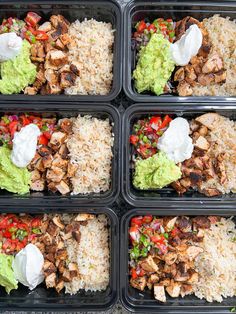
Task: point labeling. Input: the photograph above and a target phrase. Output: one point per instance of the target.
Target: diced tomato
(175, 232)
(157, 239)
(47, 134)
(155, 122)
(146, 152)
(148, 231)
(41, 35)
(134, 233)
(35, 223)
(134, 274)
(134, 139)
(141, 273)
(7, 234)
(32, 19)
(147, 219)
(13, 128)
(169, 20)
(10, 20)
(141, 26)
(152, 27)
(3, 223)
(25, 120)
(42, 140)
(137, 221)
(165, 122)
(8, 245)
(19, 246)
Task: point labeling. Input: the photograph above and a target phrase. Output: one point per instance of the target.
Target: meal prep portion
(68, 251)
(69, 155)
(179, 256)
(56, 56)
(187, 57)
(199, 154)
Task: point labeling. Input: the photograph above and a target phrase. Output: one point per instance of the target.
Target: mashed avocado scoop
(18, 72)
(7, 278)
(12, 178)
(155, 65)
(155, 172)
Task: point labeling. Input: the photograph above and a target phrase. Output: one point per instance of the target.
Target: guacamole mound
(155, 172)
(18, 72)
(155, 65)
(7, 278)
(12, 178)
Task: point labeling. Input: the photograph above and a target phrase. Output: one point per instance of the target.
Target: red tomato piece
(141, 26)
(165, 122)
(152, 27)
(13, 128)
(137, 221)
(35, 223)
(147, 219)
(134, 274)
(42, 140)
(134, 233)
(32, 19)
(134, 139)
(41, 35)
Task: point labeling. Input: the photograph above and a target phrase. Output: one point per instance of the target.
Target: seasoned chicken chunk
(174, 289)
(51, 280)
(149, 265)
(159, 293)
(138, 283)
(202, 144)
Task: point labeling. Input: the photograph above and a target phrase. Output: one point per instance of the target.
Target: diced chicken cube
(30, 90)
(202, 143)
(67, 79)
(63, 188)
(57, 221)
(46, 27)
(65, 39)
(193, 251)
(35, 175)
(174, 289)
(38, 185)
(58, 138)
(170, 258)
(210, 120)
(84, 217)
(159, 293)
(58, 58)
(51, 280)
(138, 283)
(66, 276)
(55, 174)
(59, 286)
(149, 265)
(171, 223)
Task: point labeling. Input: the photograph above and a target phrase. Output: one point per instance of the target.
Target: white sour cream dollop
(187, 46)
(176, 142)
(27, 266)
(24, 145)
(10, 45)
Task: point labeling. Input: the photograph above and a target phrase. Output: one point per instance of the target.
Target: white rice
(91, 49)
(92, 257)
(217, 264)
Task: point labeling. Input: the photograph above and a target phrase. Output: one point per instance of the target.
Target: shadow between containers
(102, 10)
(166, 196)
(143, 302)
(137, 10)
(42, 299)
(100, 110)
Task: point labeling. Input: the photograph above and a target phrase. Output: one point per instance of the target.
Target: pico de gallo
(146, 133)
(27, 29)
(17, 231)
(9, 124)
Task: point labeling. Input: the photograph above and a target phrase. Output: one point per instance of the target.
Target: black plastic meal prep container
(102, 111)
(102, 10)
(143, 301)
(167, 195)
(137, 10)
(43, 299)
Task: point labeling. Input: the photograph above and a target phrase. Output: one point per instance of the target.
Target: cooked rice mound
(217, 264)
(222, 35)
(90, 148)
(91, 255)
(91, 50)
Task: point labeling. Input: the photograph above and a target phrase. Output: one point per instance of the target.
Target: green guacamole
(155, 65)
(155, 172)
(12, 178)
(7, 278)
(17, 73)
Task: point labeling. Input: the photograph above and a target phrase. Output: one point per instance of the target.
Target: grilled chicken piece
(165, 282)
(63, 151)
(193, 279)
(73, 269)
(66, 126)
(206, 79)
(37, 59)
(57, 221)
(50, 280)
(59, 20)
(71, 170)
(205, 49)
(202, 144)
(59, 162)
(40, 246)
(67, 79)
(203, 130)
(186, 290)
(193, 251)
(184, 89)
(61, 254)
(76, 234)
(210, 192)
(179, 75)
(53, 89)
(210, 120)
(84, 217)
(58, 138)
(220, 168)
(190, 75)
(173, 289)
(65, 39)
(52, 187)
(170, 258)
(66, 276)
(181, 276)
(44, 151)
(178, 187)
(74, 67)
(60, 285)
(35, 175)
(38, 185)
(51, 76)
(61, 266)
(48, 268)
(213, 64)
(201, 222)
(30, 90)
(50, 257)
(53, 229)
(63, 188)
(138, 283)
(47, 239)
(47, 161)
(46, 27)
(220, 77)
(149, 265)
(59, 45)
(171, 223)
(159, 293)
(184, 224)
(55, 174)
(58, 58)
(185, 183)
(154, 278)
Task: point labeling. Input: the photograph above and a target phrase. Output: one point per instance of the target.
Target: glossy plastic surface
(103, 10)
(137, 10)
(165, 196)
(144, 302)
(102, 111)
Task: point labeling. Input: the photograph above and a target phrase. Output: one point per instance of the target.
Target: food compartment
(43, 298)
(56, 71)
(148, 11)
(104, 117)
(151, 197)
(144, 301)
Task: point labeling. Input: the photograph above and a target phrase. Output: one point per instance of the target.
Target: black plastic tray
(137, 301)
(42, 299)
(137, 10)
(50, 199)
(102, 10)
(165, 196)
